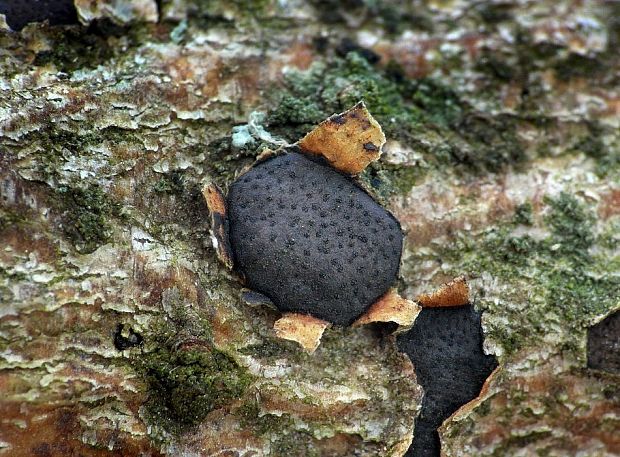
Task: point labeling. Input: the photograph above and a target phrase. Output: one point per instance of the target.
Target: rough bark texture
(121, 333)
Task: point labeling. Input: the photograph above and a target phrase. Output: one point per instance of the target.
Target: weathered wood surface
(121, 333)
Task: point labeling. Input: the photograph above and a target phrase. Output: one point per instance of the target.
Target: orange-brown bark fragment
(348, 141)
(453, 293)
(301, 328)
(391, 307)
(219, 223)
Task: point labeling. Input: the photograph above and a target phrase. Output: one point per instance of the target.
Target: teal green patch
(553, 285)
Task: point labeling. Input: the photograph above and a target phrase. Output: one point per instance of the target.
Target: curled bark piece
(391, 307)
(301, 328)
(453, 293)
(348, 141)
(219, 223)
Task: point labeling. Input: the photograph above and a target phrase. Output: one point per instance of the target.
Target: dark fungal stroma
(604, 344)
(21, 12)
(311, 239)
(445, 347)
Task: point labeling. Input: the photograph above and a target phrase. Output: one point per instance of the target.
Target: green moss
(10, 218)
(80, 47)
(186, 385)
(295, 443)
(592, 144)
(265, 424)
(225, 161)
(571, 224)
(12, 276)
(489, 143)
(440, 104)
(423, 113)
(567, 277)
(284, 439)
(515, 442)
(524, 214)
(170, 183)
(393, 17)
(86, 213)
(233, 14)
(325, 89)
(494, 13)
(577, 65)
(186, 376)
(256, 7)
(385, 180)
(56, 145)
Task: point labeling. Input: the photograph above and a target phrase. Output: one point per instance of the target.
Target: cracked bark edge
(464, 410)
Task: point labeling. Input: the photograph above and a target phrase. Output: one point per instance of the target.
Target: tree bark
(122, 334)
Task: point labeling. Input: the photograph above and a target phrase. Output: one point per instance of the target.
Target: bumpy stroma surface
(311, 239)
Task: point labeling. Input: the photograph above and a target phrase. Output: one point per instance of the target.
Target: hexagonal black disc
(311, 239)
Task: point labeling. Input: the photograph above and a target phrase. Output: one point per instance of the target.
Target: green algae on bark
(86, 216)
(185, 385)
(557, 283)
(422, 112)
(186, 376)
(148, 117)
